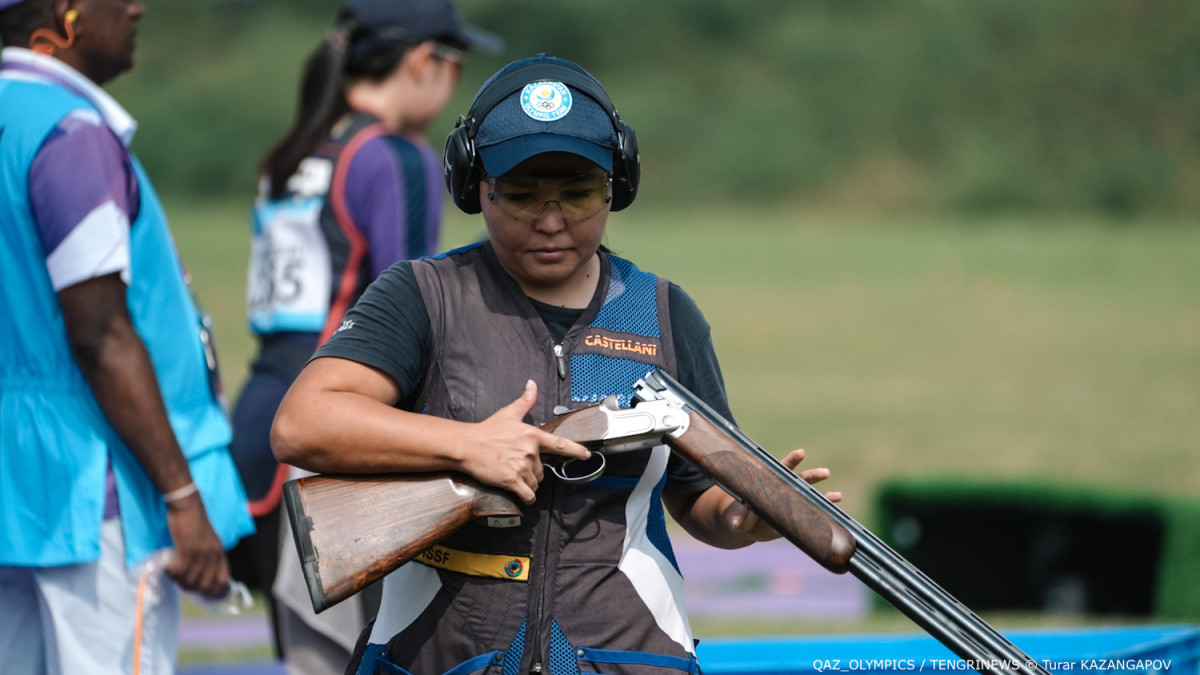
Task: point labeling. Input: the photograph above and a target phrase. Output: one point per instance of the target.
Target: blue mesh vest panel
(512, 655)
(630, 310)
(562, 653)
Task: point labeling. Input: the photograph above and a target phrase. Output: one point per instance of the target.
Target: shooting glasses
(525, 198)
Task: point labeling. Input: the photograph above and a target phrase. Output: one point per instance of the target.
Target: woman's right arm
(339, 417)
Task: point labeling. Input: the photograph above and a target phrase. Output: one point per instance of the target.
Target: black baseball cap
(422, 20)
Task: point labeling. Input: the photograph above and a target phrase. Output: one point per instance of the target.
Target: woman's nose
(550, 219)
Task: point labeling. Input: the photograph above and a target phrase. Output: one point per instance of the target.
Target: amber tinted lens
(578, 198)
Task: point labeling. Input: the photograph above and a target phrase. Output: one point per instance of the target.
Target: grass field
(1036, 348)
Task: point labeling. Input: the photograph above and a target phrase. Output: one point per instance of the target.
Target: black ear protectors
(461, 164)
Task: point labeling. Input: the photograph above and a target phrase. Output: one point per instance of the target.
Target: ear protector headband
(463, 168)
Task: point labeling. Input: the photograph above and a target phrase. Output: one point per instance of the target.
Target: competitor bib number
(289, 281)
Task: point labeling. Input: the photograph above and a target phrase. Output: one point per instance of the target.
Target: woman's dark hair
(19, 22)
(351, 51)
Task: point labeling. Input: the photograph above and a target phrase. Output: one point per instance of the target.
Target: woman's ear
(419, 59)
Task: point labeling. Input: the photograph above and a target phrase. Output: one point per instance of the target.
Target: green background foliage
(916, 106)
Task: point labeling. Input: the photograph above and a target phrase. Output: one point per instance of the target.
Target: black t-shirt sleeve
(700, 373)
(388, 328)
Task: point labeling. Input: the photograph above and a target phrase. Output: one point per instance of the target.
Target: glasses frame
(452, 55)
(491, 195)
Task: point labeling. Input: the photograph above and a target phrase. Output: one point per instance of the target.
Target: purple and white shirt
(377, 197)
(82, 216)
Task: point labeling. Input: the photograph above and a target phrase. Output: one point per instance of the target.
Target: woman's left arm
(717, 519)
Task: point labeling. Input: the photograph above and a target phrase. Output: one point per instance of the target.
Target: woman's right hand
(505, 452)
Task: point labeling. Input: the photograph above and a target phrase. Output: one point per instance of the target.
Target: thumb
(525, 401)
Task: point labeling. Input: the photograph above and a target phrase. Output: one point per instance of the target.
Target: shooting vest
(55, 443)
(307, 256)
(588, 581)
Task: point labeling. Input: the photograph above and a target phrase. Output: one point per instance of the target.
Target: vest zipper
(540, 616)
(536, 667)
(561, 361)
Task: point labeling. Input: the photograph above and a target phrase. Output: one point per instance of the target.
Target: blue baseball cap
(420, 20)
(5, 4)
(545, 116)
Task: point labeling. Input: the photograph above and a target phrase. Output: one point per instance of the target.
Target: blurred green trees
(926, 105)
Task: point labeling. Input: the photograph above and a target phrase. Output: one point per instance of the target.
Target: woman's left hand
(742, 519)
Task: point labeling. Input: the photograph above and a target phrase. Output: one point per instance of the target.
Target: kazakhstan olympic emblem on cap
(546, 100)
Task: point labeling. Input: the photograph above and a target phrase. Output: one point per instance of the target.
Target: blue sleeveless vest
(55, 443)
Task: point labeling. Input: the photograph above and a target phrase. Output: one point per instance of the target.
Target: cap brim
(480, 40)
(503, 157)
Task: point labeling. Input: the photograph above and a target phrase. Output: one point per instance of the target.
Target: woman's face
(546, 219)
(433, 85)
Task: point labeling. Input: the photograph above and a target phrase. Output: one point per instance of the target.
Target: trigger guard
(558, 471)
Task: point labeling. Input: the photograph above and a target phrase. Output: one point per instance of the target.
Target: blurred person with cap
(450, 362)
(114, 439)
(352, 187)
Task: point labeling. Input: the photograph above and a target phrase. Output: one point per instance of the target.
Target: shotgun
(345, 545)
(342, 549)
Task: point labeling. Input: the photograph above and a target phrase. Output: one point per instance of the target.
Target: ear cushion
(462, 167)
(627, 167)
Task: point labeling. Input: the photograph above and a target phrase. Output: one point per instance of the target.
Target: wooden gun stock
(586, 426)
(345, 546)
(351, 530)
(771, 497)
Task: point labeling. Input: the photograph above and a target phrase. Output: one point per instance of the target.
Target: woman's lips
(549, 255)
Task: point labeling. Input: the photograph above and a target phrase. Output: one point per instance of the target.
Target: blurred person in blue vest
(352, 187)
(113, 438)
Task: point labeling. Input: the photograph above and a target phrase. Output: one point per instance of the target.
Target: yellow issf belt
(507, 567)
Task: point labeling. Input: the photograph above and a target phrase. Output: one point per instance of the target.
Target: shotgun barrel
(872, 561)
